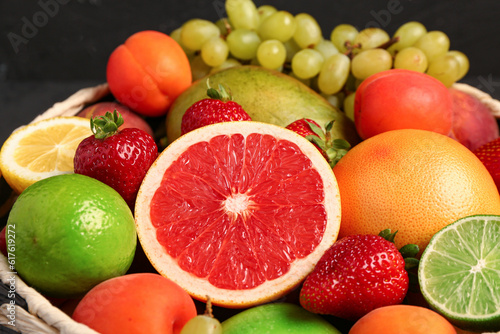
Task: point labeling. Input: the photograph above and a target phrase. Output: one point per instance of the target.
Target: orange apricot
(402, 99)
(398, 319)
(148, 72)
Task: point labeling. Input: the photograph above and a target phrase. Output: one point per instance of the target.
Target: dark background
(51, 48)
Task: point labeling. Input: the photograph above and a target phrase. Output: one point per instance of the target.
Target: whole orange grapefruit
(412, 181)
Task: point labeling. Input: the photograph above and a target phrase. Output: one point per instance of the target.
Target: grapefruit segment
(240, 211)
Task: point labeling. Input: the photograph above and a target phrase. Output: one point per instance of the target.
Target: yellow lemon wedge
(41, 149)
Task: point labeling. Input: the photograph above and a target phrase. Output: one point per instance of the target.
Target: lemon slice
(41, 149)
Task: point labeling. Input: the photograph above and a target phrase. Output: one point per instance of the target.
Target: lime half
(459, 272)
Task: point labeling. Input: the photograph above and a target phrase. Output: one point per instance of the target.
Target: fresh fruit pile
(252, 176)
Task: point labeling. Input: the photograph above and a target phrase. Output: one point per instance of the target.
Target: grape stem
(228, 28)
(389, 43)
(351, 47)
(208, 308)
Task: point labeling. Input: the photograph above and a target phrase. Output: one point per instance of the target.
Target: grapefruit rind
(199, 288)
(461, 261)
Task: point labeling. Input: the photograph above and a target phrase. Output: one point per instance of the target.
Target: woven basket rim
(492, 104)
(42, 315)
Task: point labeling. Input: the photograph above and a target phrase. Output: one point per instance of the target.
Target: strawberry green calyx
(105, 126)
(388, 235)
(334, 148)
(409, 253)
(219, 94)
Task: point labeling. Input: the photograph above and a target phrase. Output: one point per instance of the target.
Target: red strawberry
(118, 158)
(303, 127)
(218, 108)
(356, 275)
(332, 149)
(489, 154)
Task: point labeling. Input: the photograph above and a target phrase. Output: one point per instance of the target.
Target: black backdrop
(72, 39)
(49, 48)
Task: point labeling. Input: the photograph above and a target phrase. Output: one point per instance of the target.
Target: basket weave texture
(40, 316)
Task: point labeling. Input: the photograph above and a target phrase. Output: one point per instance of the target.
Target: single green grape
(434, 44)
(349, 106)
(326, 48)
(202, 324)
(176, 35)
(313, 83)
(342, 34)
(229, 62)
(224, 26)
(291, 49)
(265, 11)
(307, 63)
(370, 38)
(408, 34)
(198, 67)
(243, 43)
(411, 58)
(357, 82)
(369, 62)
(335, 100)
(445, 68)
(279, 25)
(307, 32)
(214, 52)
(352, 83)
(333, 74)
(195, 32)
(254, 61)
(463, 62)
(242, 14)
(271, 54)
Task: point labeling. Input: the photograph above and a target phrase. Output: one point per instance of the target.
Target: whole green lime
(277, 318)
(72, 232)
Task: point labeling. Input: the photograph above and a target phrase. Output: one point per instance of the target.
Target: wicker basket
(33, 312)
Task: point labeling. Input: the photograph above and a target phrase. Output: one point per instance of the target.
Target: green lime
(277, 318)
(71, 233)
(459, 272)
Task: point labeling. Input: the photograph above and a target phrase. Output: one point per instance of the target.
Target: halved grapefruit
(238, 211)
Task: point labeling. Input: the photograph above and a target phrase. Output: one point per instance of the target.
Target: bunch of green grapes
(295, 45)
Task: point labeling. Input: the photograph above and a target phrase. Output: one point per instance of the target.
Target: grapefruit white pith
(239, 211)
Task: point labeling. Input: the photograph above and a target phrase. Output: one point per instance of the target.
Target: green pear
(267, 96)
(277, 318)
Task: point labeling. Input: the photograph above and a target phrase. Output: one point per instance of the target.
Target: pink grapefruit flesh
(239, 211)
